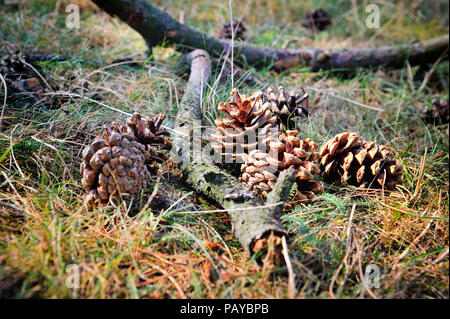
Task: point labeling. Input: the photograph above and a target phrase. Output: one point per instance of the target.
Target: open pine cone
(260, 170)
(347, 159)
(247, 123)
(115, 164)
(238, 27)
(287, 106)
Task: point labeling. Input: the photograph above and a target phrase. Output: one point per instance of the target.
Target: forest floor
(48, 236)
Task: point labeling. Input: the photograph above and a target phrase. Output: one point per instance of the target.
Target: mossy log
(251, 218)
(158, 27)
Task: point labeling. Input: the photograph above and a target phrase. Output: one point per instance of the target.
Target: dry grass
(166, 251)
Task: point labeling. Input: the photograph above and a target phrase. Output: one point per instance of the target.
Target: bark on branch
(251, 219)
(158, 27)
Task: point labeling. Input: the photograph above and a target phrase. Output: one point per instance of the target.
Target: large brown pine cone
(247, 123)
(238, 27)
(117, 163)
(261, 170)
(288, 106)
(347, 159)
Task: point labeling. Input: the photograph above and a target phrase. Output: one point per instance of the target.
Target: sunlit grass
(131, 251)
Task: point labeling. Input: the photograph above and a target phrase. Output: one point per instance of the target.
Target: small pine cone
(440, 114)
(150, 133)
(247, 123)
(113, 165)
(261, 170)
(118, 162)
(346, 159)
(288, 107)
(317, 19)
(238, 27)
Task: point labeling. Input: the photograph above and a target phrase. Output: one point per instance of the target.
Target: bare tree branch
(158, 27)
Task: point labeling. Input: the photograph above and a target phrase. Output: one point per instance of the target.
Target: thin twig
(154, 192)
(413, 243)
(357, 103)
(4, 101)
(12, 151)
(37, 72)
(350, 225)
(175, 283)
(430, 72)
(292, 291)
(107, 106)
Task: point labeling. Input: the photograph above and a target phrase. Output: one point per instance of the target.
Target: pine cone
(261, 170)
(247, 123)
(238, 27)
(317, 19)
(287, 107)
(440, 114)
(149, 132)
(347, 159)
(116, 163)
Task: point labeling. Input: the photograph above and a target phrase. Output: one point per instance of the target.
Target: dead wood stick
(250, 217)
(158, 27)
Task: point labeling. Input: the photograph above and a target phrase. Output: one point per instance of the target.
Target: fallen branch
(249, 225)
(158, 27)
